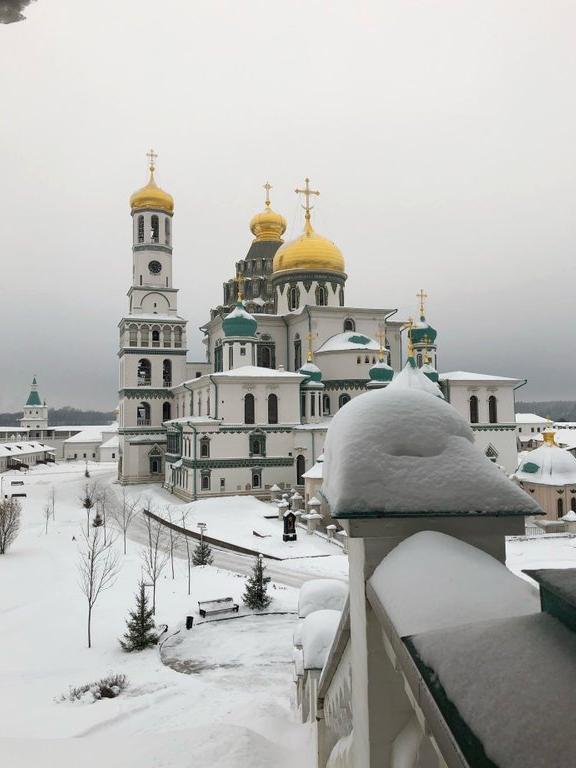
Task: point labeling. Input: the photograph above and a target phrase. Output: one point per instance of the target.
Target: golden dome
(268, 225)
(310, 251)
(151, 196)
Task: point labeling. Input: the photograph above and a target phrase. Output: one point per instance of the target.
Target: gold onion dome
(152, 196)
(310, 251)
(268, 225)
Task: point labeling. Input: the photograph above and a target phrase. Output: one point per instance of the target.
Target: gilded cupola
(268, 225)
(310, 251)
(152, 196)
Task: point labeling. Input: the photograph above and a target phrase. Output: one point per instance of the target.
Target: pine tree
(202, 555)
(255, 596)
(140, 634)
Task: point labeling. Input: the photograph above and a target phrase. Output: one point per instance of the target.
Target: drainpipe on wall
(215, 395)
(193, 428)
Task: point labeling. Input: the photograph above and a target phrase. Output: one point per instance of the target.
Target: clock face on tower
(155, 267)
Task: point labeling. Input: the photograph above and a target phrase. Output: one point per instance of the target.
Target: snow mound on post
(318, 631)
(408, 451)
(320, 594)
(413, 378)
(433, 581)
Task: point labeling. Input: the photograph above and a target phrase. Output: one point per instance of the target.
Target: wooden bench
(212, 607)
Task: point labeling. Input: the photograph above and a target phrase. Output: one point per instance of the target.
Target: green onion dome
(239, 322)
(422, 332)
(381, 372)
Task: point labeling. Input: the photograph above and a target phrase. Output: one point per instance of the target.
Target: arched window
(312, 404)
(349, 324)
(178, 336)
(343, 399)
(256, 479)
(366, 359)
(272, 409)
(560, 507)
(326, 404)
(300, 469)
(155, 337)
(573, 503)
(249, 409)
(167, 373)
(303, 405)
(133, 334)
(264, 356)
(167, 231)
(321, 296)
(205, 482)
(166, 412)
(167, 333)
(473, 409)
(297, 353)
(492, 410)
(140, 229)
(144, 336)
(230, 357)
(358, 360)
(204, 448)
(144, 373)
(155, 229)
(257, 444)
(419, 359)
(293, 298)
(143, 415)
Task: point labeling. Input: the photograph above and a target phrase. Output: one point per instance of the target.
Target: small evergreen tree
(202, 555)
(140, 633)
(255, 596)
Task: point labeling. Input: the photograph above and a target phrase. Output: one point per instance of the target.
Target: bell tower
(152, 337)
(35, 416)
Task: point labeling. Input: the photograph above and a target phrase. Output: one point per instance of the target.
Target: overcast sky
(441, 133)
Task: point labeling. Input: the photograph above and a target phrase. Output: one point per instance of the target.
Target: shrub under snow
(106, 688)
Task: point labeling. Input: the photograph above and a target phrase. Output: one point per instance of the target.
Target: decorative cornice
(333, 384)
(146, 393)
(255, 427)
(146, 351)
(151, 247)
(300, 276)
(143, 431)
(493, 427)
(256, 462)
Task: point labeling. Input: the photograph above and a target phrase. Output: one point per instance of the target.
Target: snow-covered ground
(233, 709)
(550, 551)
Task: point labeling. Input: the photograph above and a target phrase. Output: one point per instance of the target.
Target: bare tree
(102, 499)
(88, 500)
(187, 544)
(52, 500)
(98, 569)
(154, 557)
(9, 523)
(47, 516)
(123, 511)
(171, 540)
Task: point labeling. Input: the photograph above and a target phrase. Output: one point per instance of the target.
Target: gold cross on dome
(267, 187)
(381, 336)
(240, 283)
(152, 157)
(309, 355)
(307, 192)
(422, 296)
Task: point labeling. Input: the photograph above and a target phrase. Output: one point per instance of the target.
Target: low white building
(22, 454)
(92, 444)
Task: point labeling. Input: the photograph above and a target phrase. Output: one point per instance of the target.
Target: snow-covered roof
(468, 376)
(530, 418)
(411, 377)
(15, 449)
(431, 581)
(13, 429)
(318, 594)
(89, 435)
(154, 317)
(314, 502)
(254, 371)
(318, 631)
(350, 340)
(405, 451)
(547, 465)
(112, 442)
(315, 472)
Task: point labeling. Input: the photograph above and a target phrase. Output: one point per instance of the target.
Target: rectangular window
(222, 484)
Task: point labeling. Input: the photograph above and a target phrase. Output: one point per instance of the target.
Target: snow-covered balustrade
(321, 594)
(398, 462)
(318, 630)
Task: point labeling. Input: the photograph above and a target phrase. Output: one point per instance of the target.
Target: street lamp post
(202, 527)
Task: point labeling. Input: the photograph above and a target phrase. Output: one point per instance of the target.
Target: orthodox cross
(422, 296)
(267, 187)
(240, 283)
(152, 156)
(309, 356)
(409, 325)
(307, 192)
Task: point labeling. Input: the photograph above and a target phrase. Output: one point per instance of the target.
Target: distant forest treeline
(557, 410)
(63, 417)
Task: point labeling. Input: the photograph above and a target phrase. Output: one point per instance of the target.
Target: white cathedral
(283, 354)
